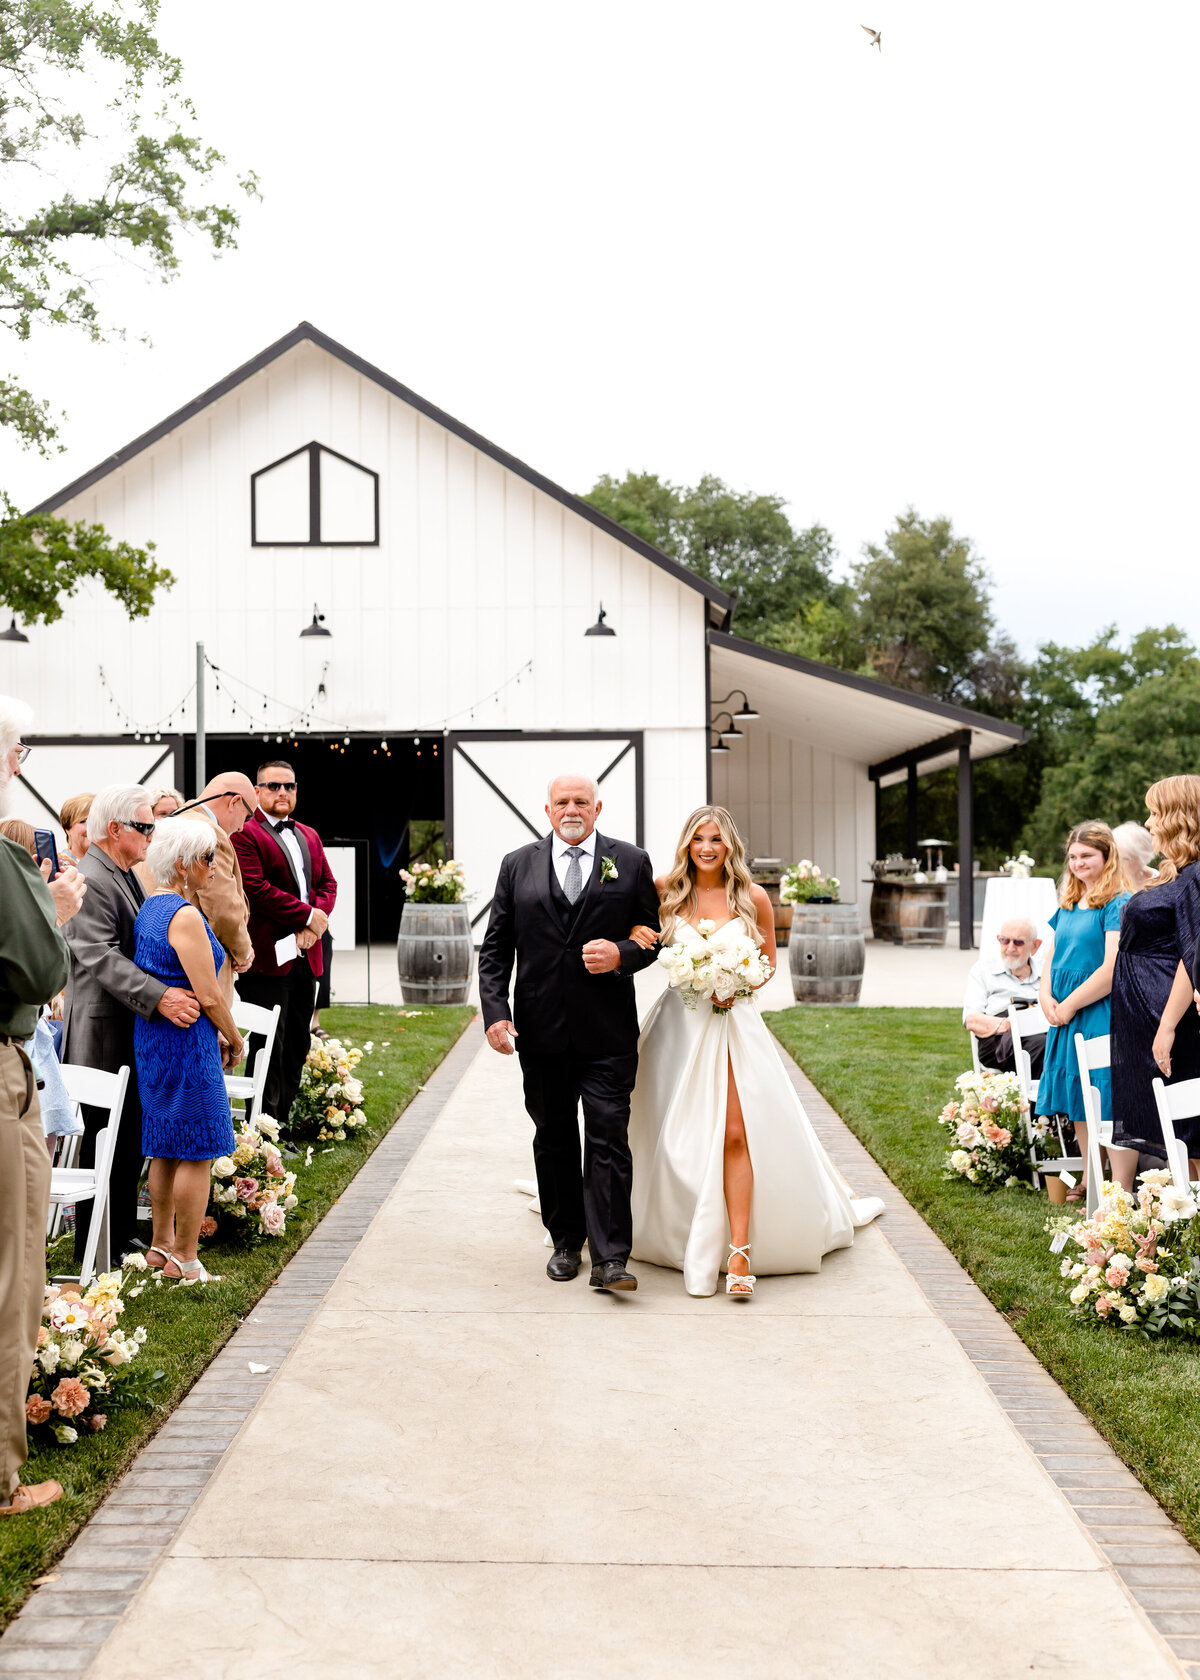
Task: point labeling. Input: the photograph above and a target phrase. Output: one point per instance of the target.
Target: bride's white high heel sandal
(741, 1288)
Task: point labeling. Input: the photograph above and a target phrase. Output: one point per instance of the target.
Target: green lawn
(186, 1328)
(888, 1072)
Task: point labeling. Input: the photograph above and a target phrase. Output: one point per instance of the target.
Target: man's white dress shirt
(291, 846)
(991, 987)
(562, 862)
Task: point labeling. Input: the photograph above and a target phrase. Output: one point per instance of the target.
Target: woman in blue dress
(1077, 976)
(186, 1120)
(1155, 1031)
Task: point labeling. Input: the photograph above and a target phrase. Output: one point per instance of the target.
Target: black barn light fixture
(730, 736)
(745, 712)
(600, 628)
(317, 627)
(12, 634)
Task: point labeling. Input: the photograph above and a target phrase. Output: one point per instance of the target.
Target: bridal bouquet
(81, 1370)
(987, 1126)
(1140, 1267)
(252, 1191)
(329, 1102)
(714, 973)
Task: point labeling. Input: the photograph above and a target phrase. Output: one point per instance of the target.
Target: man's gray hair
(118, 803)
(178, 840)
(15, 719)
(573, 776)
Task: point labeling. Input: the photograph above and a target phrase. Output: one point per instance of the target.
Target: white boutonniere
(608, 870)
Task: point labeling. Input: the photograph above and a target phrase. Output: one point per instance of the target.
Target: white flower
(72, 1351)
(705, 927)
(69, 1315)
(1128, 1313)
(139, 1335)
(136, 1260)
(960, 1160)
(1175, 1203)
(1155, 1287)
(1121, 1262)
(269, 1128)
(1080, 1293)
(65, 1435)
(48, 1358)
(223, 1167)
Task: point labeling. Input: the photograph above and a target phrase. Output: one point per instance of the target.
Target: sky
(958, 272)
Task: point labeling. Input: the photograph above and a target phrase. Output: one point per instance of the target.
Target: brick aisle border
(1158, 1565)
(61, 1627)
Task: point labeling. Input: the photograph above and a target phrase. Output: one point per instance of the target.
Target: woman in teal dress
(1077, 976)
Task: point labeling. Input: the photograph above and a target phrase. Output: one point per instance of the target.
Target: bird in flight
(875, 34)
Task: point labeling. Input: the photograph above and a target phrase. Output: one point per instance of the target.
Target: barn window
(314, 498)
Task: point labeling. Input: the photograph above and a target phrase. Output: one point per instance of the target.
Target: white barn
(457, 586)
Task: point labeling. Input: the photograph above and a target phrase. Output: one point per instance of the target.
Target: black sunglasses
(207, 859)
(142, 828)
(279, 787)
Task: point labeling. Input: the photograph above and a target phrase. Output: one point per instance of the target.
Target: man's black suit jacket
(559, 1008)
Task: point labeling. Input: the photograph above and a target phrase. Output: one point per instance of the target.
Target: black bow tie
(286, 822)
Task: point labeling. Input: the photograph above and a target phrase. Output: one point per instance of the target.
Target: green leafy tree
(43, 559)
(744, 543)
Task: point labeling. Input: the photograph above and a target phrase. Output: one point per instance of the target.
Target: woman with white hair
(165, 801)
(1137, 846)
(186, 1121)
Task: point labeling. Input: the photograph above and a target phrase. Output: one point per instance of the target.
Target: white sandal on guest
(166, 1254)
(745, 1284)
(193, 1271)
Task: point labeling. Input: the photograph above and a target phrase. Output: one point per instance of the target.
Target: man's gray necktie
(573, 885)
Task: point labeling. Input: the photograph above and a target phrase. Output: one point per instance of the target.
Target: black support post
(966, 848)
(911, 835)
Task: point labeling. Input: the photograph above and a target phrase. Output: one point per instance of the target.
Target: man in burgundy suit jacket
(290, 890)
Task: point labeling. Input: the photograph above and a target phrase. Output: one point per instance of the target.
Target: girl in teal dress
(1077, 976)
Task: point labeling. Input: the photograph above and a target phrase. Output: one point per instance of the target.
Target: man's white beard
(572, 827)
(1012, 964)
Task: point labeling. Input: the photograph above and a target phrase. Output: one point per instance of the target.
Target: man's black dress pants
(294, 993)
(593, 1202)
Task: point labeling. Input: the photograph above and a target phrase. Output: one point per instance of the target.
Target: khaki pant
(24, 1204)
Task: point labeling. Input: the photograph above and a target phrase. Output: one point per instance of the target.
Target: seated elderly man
(998, 984)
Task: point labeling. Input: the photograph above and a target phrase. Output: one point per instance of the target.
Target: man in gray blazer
(106, 990)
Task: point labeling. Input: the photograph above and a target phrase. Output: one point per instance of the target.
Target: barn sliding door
(496, 796)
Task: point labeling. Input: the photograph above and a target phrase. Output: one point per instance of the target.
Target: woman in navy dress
(186, 1120)
(1155, 1030)
(1077, 976)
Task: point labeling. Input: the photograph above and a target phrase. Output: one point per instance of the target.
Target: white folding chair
(72, 1185)
(1177, 1102)
(252, 1018)
(1025, 1023)
(1093, 1053)
(66, 1153)
(976, 1064)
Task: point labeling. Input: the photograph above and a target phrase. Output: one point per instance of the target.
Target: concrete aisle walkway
(464, 1470)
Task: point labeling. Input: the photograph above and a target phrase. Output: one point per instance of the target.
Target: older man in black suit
(564, 908)
(106, 991)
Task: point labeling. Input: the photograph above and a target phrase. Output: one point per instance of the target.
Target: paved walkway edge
(63, 1624)
(1157, 1566)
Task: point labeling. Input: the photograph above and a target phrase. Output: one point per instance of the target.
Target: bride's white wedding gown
(801, 1208)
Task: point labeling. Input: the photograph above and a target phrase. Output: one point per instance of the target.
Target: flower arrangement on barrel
(1140, 1265)
(329, 1103)
(804, 882)
(435, 883)
(82, 1368)
(702, 971)
(252, 1191)
(988, 1126)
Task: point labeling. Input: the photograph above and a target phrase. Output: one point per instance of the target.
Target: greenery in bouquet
(1140, 1265)
(252, 1191)
(716, 972)
(435, 883)
(329, 1103)
(804, 882)
(84, 1366)
(987, 1126)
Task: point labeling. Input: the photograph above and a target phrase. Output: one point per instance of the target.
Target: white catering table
(1034, 897)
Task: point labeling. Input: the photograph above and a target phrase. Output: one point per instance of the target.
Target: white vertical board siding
(476, 573)
(792, 800)
(674, 786)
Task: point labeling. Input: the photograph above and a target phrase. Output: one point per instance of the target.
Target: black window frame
(314, 452)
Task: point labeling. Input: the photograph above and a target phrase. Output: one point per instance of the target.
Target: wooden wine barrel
(909, 912)
(434, 953)
(783, 912)
(826, 953)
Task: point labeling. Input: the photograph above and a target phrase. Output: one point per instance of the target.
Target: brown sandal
(26, 1496)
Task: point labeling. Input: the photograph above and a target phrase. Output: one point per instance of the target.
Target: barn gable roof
(720, 603)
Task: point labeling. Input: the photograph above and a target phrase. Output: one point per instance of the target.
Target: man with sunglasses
(995, 987)
(227, 802)
(291, 891)
(107, 991)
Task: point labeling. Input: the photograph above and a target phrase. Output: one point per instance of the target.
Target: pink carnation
(1116, 1276)
(70, 1397)
(950, 1111)
(98, 1420)
(37, 1408)
(990, 1104)
(1103, 1305)
(208, 1226)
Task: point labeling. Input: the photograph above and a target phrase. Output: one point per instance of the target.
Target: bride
(722, 1148)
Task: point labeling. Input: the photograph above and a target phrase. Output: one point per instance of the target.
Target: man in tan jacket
(226, 802)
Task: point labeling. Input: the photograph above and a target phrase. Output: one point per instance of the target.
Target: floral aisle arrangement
(987, 1126)
(716, 973)
(435, 883)
(82, 1370)
(804, 881)
(329, 1103)
(1140, 1265)
(252, 1191)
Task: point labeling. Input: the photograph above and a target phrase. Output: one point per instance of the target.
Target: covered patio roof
(860, 718)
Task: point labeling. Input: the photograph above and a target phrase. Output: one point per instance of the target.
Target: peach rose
(274, 1163)
(37, 1408)
(273, 1219)
(70, 1397)
(1103, 1306)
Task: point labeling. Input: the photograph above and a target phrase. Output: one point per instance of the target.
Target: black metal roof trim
(961, 715)
(306, 332)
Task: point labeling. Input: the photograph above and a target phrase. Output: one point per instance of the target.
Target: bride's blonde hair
(679, 888)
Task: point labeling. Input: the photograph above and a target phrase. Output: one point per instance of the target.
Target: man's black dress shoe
(612, 1275)
(563, 1264)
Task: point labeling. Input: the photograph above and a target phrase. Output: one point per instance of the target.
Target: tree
(43, 558)
(132, 165)
(744, 543)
